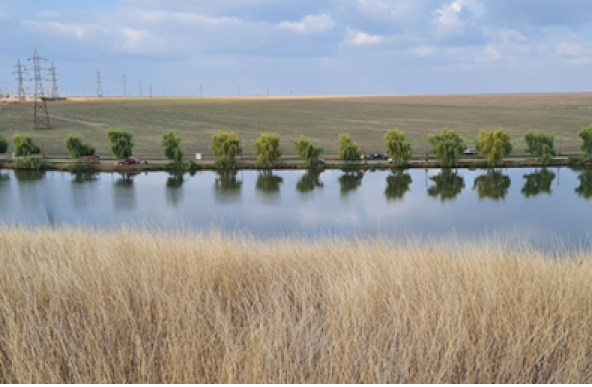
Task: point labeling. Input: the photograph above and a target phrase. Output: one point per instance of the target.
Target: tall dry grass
(84, 307)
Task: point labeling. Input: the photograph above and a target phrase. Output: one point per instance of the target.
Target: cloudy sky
(303, 47)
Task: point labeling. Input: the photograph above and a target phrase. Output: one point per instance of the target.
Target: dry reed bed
(88, 307)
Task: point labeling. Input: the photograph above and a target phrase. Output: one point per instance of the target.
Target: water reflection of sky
(269, 204)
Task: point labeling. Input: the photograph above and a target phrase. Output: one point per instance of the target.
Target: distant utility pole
(99, 85)
(20, 72)
(54, 82)
(238, 91)
(150, 90)
(140, 87)
(41, 119)
(124, 84)
(200, 90)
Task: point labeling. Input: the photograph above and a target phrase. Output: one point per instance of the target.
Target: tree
(586, 136)
(492, 185)
(77, 148)
(494, 145)
(172, 147)
(24, 146)
(267, 148)
(448, 147)
(348, 150)
(397, 146)
(308, 152)
(121, 143)
(226, 146)
(3, 145)
(541, 145)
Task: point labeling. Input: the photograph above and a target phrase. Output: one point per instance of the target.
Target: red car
(130, 161)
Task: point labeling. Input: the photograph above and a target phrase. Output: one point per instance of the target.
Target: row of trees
(448, 147)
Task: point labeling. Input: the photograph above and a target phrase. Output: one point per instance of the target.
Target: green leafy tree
(348, 150)
(309, 181)
(397, 185)
(586, 136)
(541, 145)
(121, 143)
(537, 183)
(3, 145)
(494, 145)
(448, 147)
(267, 148)
(397, 146)
(447, 185)
(226, 146)
(492, 185)
(308, 152)
(77, 148)
(171, 144)
(24, 146)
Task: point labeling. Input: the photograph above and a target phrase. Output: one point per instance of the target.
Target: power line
(54, 82)
(21, 70)
(41, 119)
(99, 85)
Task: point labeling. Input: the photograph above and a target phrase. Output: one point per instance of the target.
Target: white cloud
(449, 19)
(569, 49)
(310, 24)
(186, 17)
(360, 38)
(424, 51)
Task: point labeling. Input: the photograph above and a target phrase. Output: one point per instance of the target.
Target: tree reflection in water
(227, 187)
(174, 182)
(125, 197)
(585, 188)
(397, 185)
(269, 183)
(350, 180)
(24, 176)
(537, 183)
(309, 181)
(81, 178)
(447, 185)
(492, 185)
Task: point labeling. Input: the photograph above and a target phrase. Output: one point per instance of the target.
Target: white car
(471, 152)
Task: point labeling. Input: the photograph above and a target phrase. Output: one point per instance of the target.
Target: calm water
(543, 207)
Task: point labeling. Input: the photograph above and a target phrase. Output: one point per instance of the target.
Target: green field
(366, 119)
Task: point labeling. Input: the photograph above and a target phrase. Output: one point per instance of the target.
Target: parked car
(471, 152)
(130, 161)
(377, 156)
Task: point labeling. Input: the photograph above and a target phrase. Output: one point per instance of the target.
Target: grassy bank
(322, 120)
(89, 307)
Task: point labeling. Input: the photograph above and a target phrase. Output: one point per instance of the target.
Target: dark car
(130, 161)
(471, 152)
(377, 156)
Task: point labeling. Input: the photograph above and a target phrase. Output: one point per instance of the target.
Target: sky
(302, 47)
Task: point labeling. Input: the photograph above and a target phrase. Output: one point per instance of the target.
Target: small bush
(541, 145)
(308, 152)
(121, 143)
(77, 148)
(30, 163)
(24, 145)
(348, 150)
(172, 147)
(3, 145)
(267, 148)
(226, 146)
(82, 167)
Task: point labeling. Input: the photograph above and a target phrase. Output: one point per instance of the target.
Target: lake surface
(545, 207)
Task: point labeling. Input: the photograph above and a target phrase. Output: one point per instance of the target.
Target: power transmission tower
(41, 119)
(54, 82)
(124, 86)
(150, 91)
(140, 87)
(20, 72)
(99, 85)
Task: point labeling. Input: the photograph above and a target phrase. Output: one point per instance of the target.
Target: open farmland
(321, 119)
